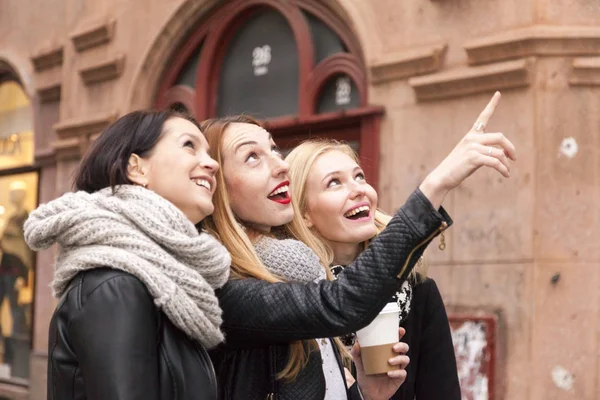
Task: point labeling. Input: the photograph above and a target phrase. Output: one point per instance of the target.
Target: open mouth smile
(203, 182)
(360, 212)
(280, 194)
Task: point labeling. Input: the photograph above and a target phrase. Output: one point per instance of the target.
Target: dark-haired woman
(134, 275)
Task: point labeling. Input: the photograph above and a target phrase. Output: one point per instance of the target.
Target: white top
(335, 382)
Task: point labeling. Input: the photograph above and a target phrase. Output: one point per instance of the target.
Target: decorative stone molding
(48, 85)
(586, 72)
(67, 149)
(76, 128)
(409, 63)
(104, 71)
(44, 158)
(50, 93)
(471, 80)
(93, 35)
(49, 58)
(537, 40)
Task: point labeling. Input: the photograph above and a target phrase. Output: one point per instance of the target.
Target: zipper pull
(442, 245)
(270, 396)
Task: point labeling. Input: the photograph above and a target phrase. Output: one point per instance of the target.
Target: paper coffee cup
(377, 340)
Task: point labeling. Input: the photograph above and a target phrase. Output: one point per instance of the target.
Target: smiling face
(256, 177)
(340, 204)
(179, 169)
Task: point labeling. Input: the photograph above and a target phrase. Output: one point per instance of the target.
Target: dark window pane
(338, 93)
(325, 41)
(179, 107)
(260, 69)
(187, 75)
(285, 151)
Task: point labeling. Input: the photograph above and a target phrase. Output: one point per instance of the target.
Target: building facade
(402, 81)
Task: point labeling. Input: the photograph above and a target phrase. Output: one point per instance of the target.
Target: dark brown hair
(105, 163)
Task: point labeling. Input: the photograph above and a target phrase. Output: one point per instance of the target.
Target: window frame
(216, 31)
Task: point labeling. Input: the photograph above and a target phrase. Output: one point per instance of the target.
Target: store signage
(10, 146)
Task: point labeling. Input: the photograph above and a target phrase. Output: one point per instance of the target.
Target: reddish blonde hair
(223, 223)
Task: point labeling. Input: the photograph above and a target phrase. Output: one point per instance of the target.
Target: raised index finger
(488, 111)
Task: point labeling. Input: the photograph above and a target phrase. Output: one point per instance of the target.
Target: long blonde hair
(301, 161)
(223, 223)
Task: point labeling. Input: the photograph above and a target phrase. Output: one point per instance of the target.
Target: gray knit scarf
(137, 231)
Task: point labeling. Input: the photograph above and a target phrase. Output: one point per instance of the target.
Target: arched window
(18, 196)
(266, 83)
(294, 65)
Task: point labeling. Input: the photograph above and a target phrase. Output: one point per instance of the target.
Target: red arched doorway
(294, 65)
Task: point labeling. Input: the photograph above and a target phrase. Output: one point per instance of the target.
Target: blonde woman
(274, 324)
(335, 213)
(273, 313)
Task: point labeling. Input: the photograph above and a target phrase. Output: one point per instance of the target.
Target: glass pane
(260, 69)
(18, 196)
(187, 75)
(16, 127)
(338, 93)
(179, 107)
(325, 40)
(286, 149)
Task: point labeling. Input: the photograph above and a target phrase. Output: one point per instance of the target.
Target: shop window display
(18, 196)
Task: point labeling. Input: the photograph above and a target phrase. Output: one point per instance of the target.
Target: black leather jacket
(108, 341)
(262, 318)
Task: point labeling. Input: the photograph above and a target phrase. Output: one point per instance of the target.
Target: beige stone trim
(45, 157)
(48, 58)
(103, 71)
(93, 34)
(48, 85)
(408, 63)
(14, 392)
(471, 80)
(586, 72)
(67, 149)
(49, 94)
(75, 128)
(537, 40)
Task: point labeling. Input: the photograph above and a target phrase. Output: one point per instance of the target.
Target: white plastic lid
(390, 307)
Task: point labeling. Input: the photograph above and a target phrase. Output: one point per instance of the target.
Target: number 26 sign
(261, 58)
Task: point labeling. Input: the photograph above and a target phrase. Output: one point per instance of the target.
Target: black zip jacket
(108, 341)
(262, 318)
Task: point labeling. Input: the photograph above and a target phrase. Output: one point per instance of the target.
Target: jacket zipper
(272, 359)
(212, 373)
(439, 230)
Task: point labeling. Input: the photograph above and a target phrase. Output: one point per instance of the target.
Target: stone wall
(433, 64)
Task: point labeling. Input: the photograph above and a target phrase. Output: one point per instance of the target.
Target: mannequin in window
(15, 259)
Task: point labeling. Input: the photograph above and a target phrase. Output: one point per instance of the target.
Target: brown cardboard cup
(377, 340)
